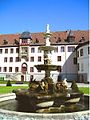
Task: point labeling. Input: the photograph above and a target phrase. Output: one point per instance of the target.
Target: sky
(17, 16)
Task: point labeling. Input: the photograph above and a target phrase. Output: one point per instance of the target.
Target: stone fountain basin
(47, 67)
(31, 101)
(13, 115)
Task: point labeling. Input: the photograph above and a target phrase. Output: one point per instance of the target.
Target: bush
(2, 78)
(8, 83)
(74, 86)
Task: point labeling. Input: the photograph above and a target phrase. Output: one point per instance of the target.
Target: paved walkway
(69, 84)
(15, 84)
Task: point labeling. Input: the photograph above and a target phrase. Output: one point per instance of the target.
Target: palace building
(19, 53)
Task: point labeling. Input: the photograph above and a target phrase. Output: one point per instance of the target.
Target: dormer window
(16, 42)
(37, 41)
(82, 39)
(5, 42)
(58, 40)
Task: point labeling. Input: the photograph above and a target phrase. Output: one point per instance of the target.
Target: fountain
(45, 96)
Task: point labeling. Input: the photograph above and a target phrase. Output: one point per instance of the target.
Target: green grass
(12, 82)
(8, 89)
(85, 90)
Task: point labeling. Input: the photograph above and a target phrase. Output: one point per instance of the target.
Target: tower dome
(25, 35)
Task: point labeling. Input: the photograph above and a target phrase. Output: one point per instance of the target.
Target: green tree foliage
(74, 86)
(8, 83)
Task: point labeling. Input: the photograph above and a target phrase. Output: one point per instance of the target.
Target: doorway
(22, 78)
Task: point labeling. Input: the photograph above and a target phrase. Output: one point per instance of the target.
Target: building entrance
(24, 68)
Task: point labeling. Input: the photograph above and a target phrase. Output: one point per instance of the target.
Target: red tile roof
(40, 36)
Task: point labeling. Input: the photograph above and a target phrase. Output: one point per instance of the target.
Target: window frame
(5, 59)
(31, 69)
(11, 50)
(32, 59)
(71, 48)
(11, 59)
(58, 58)
(62, 50)
(32, 50)
(39, 58)
(16, 69)
(10, 69)
(4, 69)
(6, 51)
(1, 50)
(81, 52)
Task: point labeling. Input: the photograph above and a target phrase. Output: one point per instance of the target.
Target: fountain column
(47, 60)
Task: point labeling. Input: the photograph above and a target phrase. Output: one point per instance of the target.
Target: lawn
(85, 90)
(8, 89)
(12, 82)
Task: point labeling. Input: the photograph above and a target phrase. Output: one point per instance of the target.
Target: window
(17, 59)
(71, 48)
(59, 68)
(31, 69)
(39, 58)
(32, 59)
(11, 50)
(0, 51)
(82, 67)
(89, 50)
(0, 69)
(32, 50)
(58, 58)
(24, 41)
(56, 50)
(78, 66)
(77, 53)
(81, 52)
(5, 69)
(74, 60)
(39, 51)
(16, 42)
(11, 59)
(62, 49)
(16, 69)
(24, 49)
(17, 50)
(5, 59)
(37, 41)
(5, 41)
(6, 50)
(58, 40)
(10, 69)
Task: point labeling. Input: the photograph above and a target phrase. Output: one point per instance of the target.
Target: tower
(25, 40)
